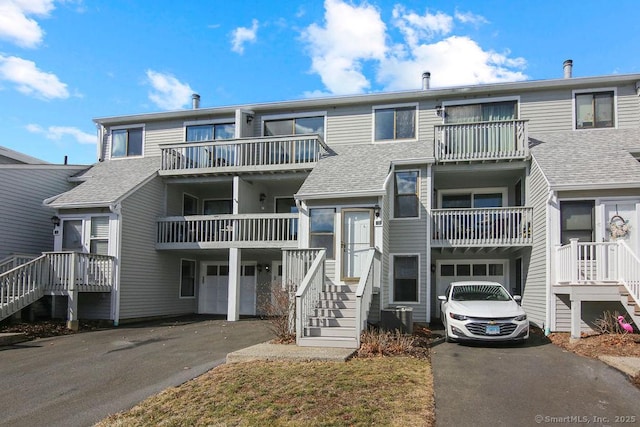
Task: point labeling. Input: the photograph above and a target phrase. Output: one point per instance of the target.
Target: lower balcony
(482, 227)
(228, 231)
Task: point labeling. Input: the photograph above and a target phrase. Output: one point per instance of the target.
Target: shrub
(608, 323)
(279, 310)
(375, 342)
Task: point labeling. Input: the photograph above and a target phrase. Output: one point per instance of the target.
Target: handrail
(629, 271)
(308, 293)
(245, 152)
(15, 260)
(586, 262)
(364, 292)
(489, 140)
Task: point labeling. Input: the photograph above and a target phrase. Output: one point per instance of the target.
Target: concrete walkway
(77, 380)
(270, 352)
(535, 384)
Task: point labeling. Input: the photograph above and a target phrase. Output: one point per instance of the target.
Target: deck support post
(72, 309)
(233, 304)
(574, 260)
(576, 318)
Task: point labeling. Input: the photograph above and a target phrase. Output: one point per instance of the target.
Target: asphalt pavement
(77, 380)
(528, 385)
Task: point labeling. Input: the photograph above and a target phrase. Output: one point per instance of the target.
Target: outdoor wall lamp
(55, 220)
(376, 211)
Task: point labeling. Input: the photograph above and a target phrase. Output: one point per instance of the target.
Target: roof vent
(426, 80)
(195, 101)
(567, 66)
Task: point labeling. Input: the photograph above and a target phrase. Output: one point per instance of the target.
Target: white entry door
(357, 238)
(214, 289)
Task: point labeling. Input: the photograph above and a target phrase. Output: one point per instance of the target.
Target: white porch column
(233, 302)
(72, 309)
(576, 310)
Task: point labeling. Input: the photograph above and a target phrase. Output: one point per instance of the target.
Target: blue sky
(65, 62)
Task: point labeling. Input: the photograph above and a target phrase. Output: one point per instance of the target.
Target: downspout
(549, 261)
(428, 239)
(115, 297)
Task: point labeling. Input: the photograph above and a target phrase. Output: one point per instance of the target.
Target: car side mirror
(442, 297)
(517, 298)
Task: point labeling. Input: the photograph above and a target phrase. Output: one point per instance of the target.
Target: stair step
(338, 331)
(630, 300)
(339, 288)
(337, 296)
(336, 304)
(335, 312)
(336, 342)
(623, 290)
(332, 321)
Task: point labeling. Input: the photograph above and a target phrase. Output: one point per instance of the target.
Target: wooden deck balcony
(483, 141)
(482, 227)
(228, 231)
(265, 154)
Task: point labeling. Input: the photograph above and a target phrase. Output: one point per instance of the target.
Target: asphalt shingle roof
(359, 168)
(588, 157)
(107, 182)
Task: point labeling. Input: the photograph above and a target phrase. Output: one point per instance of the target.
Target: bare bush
(608, 323)
(375, 342)
(279, 310)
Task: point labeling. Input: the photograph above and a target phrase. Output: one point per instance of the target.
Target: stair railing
(308, 294)
(629, 270)
(15, 260)
(22, 285)
(364, 292)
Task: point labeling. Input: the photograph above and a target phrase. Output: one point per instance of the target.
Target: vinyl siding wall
(534, 299)
(149, 279)
(409, 236)
(25, 225)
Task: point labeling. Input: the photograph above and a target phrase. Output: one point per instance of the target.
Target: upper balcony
(482, 141)
(482, 227)
(265, 154)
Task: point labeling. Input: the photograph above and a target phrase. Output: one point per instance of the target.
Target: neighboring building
(198, 211)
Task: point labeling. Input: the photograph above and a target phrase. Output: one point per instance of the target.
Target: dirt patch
(595, 345)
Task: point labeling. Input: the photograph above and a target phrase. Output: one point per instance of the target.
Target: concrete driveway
(534, 384)
(76, 380)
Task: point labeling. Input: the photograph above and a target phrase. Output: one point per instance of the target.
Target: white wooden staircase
(333, 321)
(630, 304)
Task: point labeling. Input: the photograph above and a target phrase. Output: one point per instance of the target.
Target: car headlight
(457, 316)
(521, 317)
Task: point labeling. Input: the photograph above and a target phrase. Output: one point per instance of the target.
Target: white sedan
(482, 311)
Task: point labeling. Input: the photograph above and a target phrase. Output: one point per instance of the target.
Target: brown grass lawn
(394, 391)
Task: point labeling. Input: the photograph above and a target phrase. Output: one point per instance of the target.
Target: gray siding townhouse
(365, 204)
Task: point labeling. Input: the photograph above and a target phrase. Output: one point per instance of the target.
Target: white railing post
(574, 262)
(72, 291)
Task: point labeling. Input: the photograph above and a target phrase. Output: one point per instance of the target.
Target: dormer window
(394, 123)
(126, 142)
(595, 110)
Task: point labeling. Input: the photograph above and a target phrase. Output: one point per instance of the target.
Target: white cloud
(242, 35)
(29, 80)
(354, 36)
(57, 133)
(17, 24)
(416, 27)
(351, 34)
(470, 18)
(453, 61)
(168, 92)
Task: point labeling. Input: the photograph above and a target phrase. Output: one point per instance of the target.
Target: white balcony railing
(587, 262)
(495, 140)
(262, 153)
(243, 230)
(482, 226)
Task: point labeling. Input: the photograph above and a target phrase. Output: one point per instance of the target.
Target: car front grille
(480, 328)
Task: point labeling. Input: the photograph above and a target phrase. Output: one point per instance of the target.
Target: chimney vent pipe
(426, 80)
(567, 66)
(195, 101)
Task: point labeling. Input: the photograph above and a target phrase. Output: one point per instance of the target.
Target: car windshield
(479, 292)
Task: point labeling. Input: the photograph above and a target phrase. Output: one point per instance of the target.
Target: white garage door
(459, 270)
(214, 289)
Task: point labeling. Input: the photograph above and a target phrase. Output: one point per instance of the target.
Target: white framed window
(595, 108)
(395, 122)
(86, 234)
(187, 278)
(294, 124)
(406, 194)
(99, 235)
(127, 141)
(322, 229)
(482, 110)
(473, 198)
(405, 273)
(209, 130)
(217, 206)
(189, 204)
